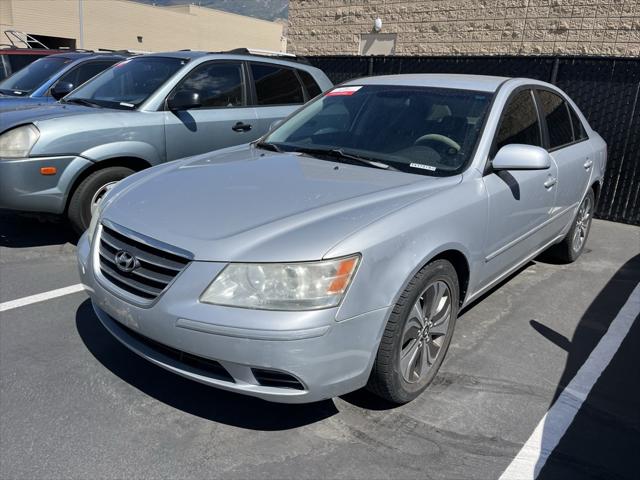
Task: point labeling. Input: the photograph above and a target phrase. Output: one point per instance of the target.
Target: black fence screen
(606, 90)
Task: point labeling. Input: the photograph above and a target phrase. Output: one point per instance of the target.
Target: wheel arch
(460, 264)
(134, 163)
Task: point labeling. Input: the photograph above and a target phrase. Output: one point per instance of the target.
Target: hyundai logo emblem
(125, 261)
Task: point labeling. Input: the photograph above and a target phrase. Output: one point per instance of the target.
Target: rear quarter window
(313, 90)
(579, 132)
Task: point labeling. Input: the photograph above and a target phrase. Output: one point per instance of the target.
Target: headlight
(18, 142)
(282, 286)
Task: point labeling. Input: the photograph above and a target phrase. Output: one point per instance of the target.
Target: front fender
(135, 149)
(397, 246)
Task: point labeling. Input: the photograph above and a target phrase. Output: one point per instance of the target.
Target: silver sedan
(335, 252)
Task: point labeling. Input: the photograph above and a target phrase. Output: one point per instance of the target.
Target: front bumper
(327, 357)
(23, 187)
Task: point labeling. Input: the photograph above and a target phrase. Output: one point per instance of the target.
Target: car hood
(14, 103)
(250, 205)
(15, 117)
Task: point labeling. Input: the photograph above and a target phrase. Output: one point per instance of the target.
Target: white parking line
(535, 452)
(40, 297)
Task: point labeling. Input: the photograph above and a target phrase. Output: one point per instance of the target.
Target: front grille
(273, 378)
(201, 365)
(157, 267)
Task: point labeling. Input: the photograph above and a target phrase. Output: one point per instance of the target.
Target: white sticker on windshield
(423, 167)
(343, 91)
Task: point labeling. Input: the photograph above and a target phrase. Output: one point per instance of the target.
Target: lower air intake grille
(205, 366)
(273, 378)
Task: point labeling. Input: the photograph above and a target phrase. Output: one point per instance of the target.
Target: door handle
(551, 181)
(241, 127)
(588, 164)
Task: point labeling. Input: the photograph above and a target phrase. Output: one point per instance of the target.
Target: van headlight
(18, 142)
(282, 286)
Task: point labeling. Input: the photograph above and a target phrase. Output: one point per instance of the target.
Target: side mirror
(521, 157)
(184, 100)
(61, 89)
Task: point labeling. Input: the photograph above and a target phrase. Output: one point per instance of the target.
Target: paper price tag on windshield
(343, 91)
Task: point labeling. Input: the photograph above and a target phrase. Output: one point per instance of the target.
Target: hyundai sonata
(335, 252)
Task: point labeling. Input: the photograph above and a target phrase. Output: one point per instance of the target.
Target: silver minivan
(143, 111)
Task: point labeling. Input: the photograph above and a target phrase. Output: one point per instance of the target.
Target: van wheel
(570, 248)
(90, 192)
(417, 334)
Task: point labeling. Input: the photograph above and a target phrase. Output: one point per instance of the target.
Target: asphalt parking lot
(76, 404)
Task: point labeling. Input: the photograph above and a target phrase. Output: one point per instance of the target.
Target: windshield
(32, 76)
(127, 84)
(425, 130)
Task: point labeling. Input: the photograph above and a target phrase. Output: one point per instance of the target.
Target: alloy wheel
(425, 331)
(583, 220)
(99, 195)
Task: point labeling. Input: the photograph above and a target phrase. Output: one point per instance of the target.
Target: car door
(567, 145)
(277, 92)
(521, 202)
(223, 118)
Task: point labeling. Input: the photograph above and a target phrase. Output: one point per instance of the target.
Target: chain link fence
(607, 91)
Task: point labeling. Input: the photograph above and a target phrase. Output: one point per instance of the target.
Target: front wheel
(417, 334)
(89, 194)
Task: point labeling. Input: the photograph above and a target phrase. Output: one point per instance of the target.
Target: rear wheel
(89, 194)
(417, 334)
(573, 244)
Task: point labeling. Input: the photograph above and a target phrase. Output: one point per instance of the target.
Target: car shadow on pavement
(192, 397)
(23, 230)
(603, 440)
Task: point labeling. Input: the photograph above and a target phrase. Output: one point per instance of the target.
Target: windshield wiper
(13, 93)
(339, 153)
(81, 101)
(268, 146)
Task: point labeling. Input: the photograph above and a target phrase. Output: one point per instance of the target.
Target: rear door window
(219, 84)
(556, 114)
(276, 85)
(519, 122)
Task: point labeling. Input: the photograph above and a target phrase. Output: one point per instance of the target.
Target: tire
(572, 246)
(79, 210)
(393, 377)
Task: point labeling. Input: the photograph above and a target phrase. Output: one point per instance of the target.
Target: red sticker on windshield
(343, 91)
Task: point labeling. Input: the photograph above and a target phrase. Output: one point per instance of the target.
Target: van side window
(519, 122)
(556, 114)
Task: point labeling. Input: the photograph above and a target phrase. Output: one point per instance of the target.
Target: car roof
(80, 55)
(191, 54)
(484, 83)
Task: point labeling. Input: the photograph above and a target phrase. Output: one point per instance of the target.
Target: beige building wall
(468, 27)
(117, 24)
